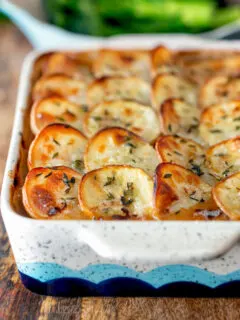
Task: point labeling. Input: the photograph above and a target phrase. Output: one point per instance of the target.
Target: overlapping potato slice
(223, 159)
(70, 64)
(219, 89)
(179, 117)
(186, 153)
(133, 116)
(122, 63)
(56, 109)
(72, 89)
(119, 88)
(169, 85)
(56, 145)
(180, 194)
(202, 66)
(220, 122)
(52, 193)
(227, 196)
(117, 192)
(162, 60)
(120, 146)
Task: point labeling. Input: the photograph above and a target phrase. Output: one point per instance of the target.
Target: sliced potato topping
(119, 88)
(71, 89)
(117, 192)
(178, 191)
(52, 193)
(219, 89)
(60, 63)
(179, 117)
(220, 122)
(168, 85)
(122, 63)
(119, 146)
(58, 145)
(133, 116)
(56, 109)
(227, 196)
(163, 61)
(223, 159)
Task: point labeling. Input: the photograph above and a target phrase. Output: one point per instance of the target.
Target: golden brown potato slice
(58, 145)
(184, 152)
(162, 60)
(220, 122)
(60, 63)
(133, 116)
(56, 109)
(71, 89)
(168, 85)
(179, 117)
(123, 63)
(119, 88)
(178, 191)
(223, 159)
(52, 193)
(219, 89)
(120, 146)
(227, 196)
(117, 192)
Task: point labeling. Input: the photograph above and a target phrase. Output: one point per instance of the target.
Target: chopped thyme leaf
(60, 119)
(70, 113)
(128, 124)
(195, 168)
(131, 145)
(67, 182)
(178, 153)
(84, 108)
(127, 199)
(219, 155)
(39, 174)
(109, 181)
(226, 172)
(97, 118)
(55, 155)
(167, 175)
(78, 164)
(110, 196)
(170, 128)
(237, 128)
(48, 175)
(56, 142)
(236, 119)
(191, 128)
(215, 131)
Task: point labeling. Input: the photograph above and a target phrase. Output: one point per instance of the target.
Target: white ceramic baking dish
(51, 250)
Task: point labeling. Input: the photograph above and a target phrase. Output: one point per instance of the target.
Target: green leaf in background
(108, 17)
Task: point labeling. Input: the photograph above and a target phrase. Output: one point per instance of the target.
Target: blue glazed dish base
(115, 280)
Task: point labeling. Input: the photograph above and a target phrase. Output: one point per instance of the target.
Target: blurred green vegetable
(107, 17)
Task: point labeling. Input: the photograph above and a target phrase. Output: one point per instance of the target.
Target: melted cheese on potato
(179, 117)
(58, 145)
(52, 193)
(56, 109)
(178, 191)
(227, 196)
(219, 89)
(117, 192)
(122, 63)
(170, 85)
(72, 89)
(223, 159)
(135, 117)
(220, 122)
(120, 146)
(119, 88)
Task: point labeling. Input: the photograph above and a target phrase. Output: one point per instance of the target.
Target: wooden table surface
(16, 302)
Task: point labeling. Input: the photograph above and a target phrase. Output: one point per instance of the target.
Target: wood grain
(16, 302)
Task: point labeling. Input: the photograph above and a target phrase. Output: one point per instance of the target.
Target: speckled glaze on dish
(104, 257)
